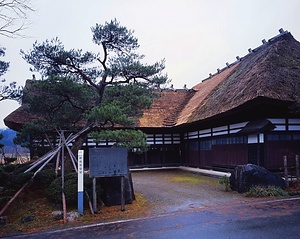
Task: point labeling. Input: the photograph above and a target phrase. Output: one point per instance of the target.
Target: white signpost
(80, 181)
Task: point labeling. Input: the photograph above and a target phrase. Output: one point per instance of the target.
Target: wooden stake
(64, 206)
(122, 195)
(63, 183)
(94, 196)
(286, 176)
(297, 171)
(90, 203)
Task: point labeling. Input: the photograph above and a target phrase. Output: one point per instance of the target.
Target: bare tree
(13, 17)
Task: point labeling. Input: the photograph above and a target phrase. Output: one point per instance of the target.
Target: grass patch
(193, 179)
(35, 203)
(263, 191)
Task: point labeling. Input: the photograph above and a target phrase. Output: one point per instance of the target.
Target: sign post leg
(122, 195)
(94, 196)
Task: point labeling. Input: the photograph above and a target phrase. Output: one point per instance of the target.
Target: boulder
(246, 176)
(71, 216)
(3, 220)
(27, 219)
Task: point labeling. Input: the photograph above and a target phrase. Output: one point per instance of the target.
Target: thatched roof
(163, 112)
(271, 71)
(202, 90)
(165, 109)
(17, 118)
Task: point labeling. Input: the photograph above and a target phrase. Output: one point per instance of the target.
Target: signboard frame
(108, 162)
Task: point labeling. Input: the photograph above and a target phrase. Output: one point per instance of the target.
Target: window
(283, 137)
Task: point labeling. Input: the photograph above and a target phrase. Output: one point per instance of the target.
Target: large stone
(3, 220)
(71, 216)
(246, 176)
(27, 219)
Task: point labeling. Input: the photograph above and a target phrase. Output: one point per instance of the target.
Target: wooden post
(90, 203)
(94, 196)
(297, 171)
(122, 195)
(286, 176)
(63, 183)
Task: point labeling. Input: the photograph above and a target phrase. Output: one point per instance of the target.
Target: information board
(108, 162)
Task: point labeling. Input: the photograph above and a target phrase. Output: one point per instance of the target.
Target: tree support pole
(63, 182)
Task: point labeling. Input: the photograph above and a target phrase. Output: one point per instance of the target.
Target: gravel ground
(175, 190)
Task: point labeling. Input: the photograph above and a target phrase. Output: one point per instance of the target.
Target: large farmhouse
(247, 112)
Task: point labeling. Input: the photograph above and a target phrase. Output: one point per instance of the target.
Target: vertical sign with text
(80, 180)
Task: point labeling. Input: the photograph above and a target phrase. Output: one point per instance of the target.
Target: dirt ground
(157, 192)
(170, 191)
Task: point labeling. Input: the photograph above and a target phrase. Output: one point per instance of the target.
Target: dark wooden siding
(275, 150)
(229, 155)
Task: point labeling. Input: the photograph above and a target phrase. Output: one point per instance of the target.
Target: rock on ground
(246, 176)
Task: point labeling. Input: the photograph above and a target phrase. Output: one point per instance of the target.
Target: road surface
(269, 218)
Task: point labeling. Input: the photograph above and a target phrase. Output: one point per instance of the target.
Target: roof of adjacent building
(271, 70)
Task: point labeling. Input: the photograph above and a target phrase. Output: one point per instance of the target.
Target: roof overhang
(257, 126)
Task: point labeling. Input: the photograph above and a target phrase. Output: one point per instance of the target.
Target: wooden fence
(291, 171)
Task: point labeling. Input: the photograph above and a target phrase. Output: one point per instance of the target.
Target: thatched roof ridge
(272, 71)
(202, 90)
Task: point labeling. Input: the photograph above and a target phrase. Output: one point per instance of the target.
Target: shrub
(15, 168)
(8, 160)
(9, 168)
(21, 168)
(16, 181)
(3, 176)
(225, 180)
(54, 190)
(265, 191)
(44, 178)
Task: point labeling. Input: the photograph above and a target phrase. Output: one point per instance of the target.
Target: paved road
(273, 218)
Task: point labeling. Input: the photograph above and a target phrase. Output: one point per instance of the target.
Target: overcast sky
(194, 36)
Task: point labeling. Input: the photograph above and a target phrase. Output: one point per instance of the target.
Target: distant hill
(8, 136)
(9, 147)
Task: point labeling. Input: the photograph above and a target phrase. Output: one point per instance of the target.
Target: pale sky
(194, 36)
